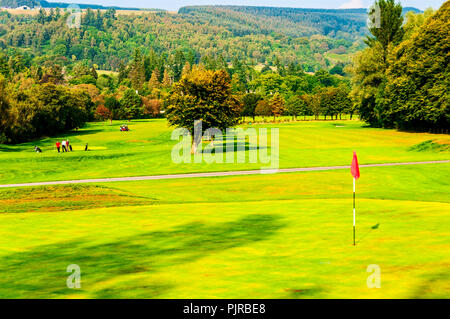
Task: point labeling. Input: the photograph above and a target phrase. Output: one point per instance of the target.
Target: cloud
(352, 4)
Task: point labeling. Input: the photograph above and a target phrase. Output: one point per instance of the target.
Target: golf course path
(211, 174)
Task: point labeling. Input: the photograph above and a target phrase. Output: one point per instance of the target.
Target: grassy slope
(280, 236)
(268, 236)
(146, 150)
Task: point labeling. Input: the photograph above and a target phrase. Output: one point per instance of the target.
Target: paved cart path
(212, 174)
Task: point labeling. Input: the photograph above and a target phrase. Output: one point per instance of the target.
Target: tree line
(401, 79)
(145, 88)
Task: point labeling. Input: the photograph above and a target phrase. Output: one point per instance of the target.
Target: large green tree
(4, 111)
(386, 24)
(369, 81)
(42, 110)
(277, 105)
(419, 76)
(250, 101)
(131, 104)
(203, 95)
(295, 106)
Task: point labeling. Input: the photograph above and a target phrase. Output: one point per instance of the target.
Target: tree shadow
(78, 133)
(435, 286)
(305, 293)
(41, 272)
(374, 227)
(78, 157)
(221, 148)
(9, 149)
(45, 140)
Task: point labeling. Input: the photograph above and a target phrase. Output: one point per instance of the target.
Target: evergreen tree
(386, 24)
(250, 102)
(131, 103)
(137, 71)
(186, 69)
(167, 81)
(154, 80)
(295, 106)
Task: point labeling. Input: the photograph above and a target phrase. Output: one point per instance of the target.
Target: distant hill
(243, 20)
(46, 4)
(213, 35)
(18, 3)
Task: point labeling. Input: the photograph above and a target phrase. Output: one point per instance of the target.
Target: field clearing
(31, 12)
(336, 58)
(107, 72)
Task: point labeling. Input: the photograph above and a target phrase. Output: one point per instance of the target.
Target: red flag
(355, 167)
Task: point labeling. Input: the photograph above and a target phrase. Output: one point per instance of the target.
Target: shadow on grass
(75, 156)
(41, 272)
(375, 227)
(435, 286)
(67, 135)
(304, 293)
(45, 141)
(220, 148)
(5, 148)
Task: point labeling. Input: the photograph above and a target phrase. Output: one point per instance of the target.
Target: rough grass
(432, 146)
(65, 198)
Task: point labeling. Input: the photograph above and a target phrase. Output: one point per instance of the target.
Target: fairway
(264, 236)
(146, 150)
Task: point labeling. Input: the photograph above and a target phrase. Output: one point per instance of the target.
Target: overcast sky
(176, 4)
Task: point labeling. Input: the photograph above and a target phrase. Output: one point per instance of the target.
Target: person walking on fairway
(64, 146)
(58, 146)
(69, 147)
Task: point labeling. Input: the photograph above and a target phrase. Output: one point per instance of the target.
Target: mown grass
(268, 236)
(146, 150)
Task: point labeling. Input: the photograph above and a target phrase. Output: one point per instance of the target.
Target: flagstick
(354, 212)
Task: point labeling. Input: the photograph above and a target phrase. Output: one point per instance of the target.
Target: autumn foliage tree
(102, 113)
(152, 107)
(277, 105)
(263, 108)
